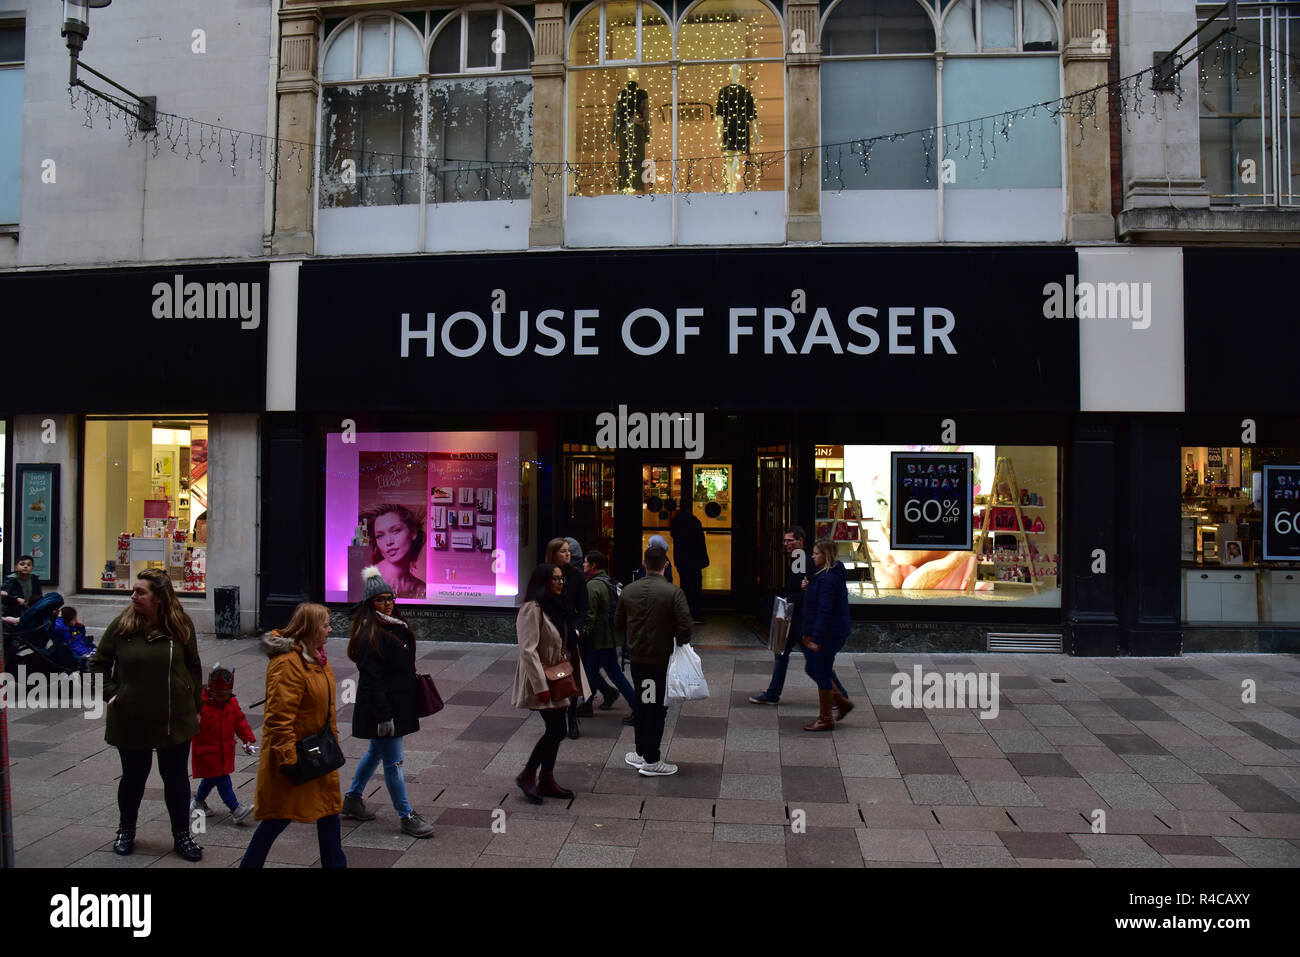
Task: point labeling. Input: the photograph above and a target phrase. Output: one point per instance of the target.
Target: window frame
(936, 25)
(462, 15)
(1053, 10)
(18, 23)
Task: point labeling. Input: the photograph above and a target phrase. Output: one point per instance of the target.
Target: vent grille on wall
(1013, 642)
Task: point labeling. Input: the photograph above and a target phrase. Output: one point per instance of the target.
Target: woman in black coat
(383, 647)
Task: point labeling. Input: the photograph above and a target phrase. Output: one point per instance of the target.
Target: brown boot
(842, 705)
(548, 787)
(824, 721)
(527, 782)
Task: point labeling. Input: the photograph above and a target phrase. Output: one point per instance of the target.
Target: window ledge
(1218, 224)
(10, 230)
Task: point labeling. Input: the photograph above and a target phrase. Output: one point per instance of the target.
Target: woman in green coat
(149, 657)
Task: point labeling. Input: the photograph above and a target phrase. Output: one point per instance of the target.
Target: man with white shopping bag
(652, 611)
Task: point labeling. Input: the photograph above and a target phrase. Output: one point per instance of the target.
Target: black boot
(573, 726)
(184, 846)
(124, 843)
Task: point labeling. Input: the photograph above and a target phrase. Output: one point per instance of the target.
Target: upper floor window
(999, 26)
(12, 39)
(649, 116)
(416, 111)
(1249, 101)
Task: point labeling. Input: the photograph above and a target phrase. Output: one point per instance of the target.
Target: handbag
(779, 630)
(318, 754)
(561, 678)
(427, 700)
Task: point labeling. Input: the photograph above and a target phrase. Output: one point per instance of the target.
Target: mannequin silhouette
(630, 131)
(736, 111)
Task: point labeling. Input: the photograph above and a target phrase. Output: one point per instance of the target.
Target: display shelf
(840, 498)
(1005, 474)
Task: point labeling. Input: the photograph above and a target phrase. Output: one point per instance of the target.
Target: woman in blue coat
(826, 628)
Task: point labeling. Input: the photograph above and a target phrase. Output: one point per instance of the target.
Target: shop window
(878, 77)
(1229, 576)
(723, 100)
(400, 130)
(1016, 496)
(145, 501)
(447, 517)
(1026, 69)
(1249, 117)
(480, 130)
(12, 39)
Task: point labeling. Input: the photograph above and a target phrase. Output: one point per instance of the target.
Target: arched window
(731, 107)
(1001, 55)
(878, 77)
(370, 113)
(713, 104)
(480, 106)
(619, 79)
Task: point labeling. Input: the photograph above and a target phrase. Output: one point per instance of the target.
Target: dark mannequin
(631, 130)
(736, 111)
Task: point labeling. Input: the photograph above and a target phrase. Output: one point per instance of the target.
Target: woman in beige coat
(541, 625)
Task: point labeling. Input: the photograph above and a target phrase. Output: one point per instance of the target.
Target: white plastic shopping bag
(686, 675)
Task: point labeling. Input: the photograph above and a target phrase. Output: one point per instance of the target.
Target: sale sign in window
(933, 494)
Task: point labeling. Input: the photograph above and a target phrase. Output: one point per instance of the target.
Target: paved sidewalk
(1187, 775)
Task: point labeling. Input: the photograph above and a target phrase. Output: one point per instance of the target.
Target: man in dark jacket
(795, 573)
(602, 635)
(691, 554)
(653, 612)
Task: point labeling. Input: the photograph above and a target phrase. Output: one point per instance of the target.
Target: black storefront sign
(184, 339)
(931, 497)
(790, 329)
(1282, 513)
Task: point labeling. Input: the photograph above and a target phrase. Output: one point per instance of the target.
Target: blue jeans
(783, 663)
(388, 750)
(328, 837)
(820, 665)
(607, 658)
(224, 788)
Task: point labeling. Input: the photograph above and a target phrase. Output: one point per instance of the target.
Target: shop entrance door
(589, 500)
(707, 490)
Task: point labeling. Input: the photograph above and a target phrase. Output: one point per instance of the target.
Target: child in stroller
(69, 630)
(31, 640)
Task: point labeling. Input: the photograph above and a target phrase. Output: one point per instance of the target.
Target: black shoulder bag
(318, 754)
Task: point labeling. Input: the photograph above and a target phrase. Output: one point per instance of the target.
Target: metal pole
(6, 802)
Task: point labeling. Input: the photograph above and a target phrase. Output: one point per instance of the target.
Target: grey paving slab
(1186, 845)
(1022, 742)
(1252, 793)
(1162, 769)
(975, 855)
(1042, 846)
(1118, 850)
(1127, 792)
(939, 789)
(823, 847)
(1034, 765)
(1004, 793)
(753, 787)
(885, 844)
(749, 834)
(1263, 851)
(1209, 760)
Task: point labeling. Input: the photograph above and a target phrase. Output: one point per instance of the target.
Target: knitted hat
(575, 550)
(658, 541)
(221, 678)
(374, 584)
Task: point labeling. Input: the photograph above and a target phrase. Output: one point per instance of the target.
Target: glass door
(589, 500)
(712, 498)
(774, 507)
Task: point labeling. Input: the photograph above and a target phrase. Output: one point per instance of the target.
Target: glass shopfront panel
(145, 502)
(444, 515)
(1015, 516)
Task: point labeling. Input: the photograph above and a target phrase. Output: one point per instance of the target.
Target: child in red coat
(213, 748)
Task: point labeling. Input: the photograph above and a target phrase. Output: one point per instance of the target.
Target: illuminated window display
(145, 502)
(444, 515)
(1015, 520)
(632, 113)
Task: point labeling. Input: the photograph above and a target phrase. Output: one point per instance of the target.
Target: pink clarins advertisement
(437, 512)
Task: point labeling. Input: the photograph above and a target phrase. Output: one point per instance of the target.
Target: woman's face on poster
(392, 537)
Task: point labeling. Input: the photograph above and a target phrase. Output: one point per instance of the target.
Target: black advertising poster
(183, 339)
(1282, 513)
(743, 329)
(931, 500)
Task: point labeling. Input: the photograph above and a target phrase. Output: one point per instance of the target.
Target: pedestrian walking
(793, 541)
(149, 659)
(220, 721)
(692, 554)
(652, 612)
(540, 626)
(655, 541)
(383, 647)
(825, 629)
(602, 601)
(560, 553)
(300, 701)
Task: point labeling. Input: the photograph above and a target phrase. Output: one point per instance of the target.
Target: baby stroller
(34, 644)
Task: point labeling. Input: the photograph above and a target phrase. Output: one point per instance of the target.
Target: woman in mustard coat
(300, 697)
(541, 625)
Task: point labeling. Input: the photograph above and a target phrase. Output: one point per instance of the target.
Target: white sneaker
(658, 769)
(240, 814)
(634, 759)
(200, 806)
